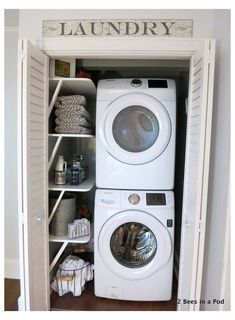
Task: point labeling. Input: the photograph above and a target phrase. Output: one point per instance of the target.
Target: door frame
(161, 48)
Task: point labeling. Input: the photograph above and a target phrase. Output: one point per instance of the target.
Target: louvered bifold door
(33, 87)
(196, 177)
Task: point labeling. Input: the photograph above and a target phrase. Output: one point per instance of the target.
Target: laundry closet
(41, 146)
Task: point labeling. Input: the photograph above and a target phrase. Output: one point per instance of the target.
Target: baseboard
(12, 269)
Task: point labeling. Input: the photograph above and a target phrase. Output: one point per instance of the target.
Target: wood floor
(88, 301)
(12, 293)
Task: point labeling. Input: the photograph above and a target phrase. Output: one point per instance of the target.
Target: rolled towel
(75, 120)
(70, 111)
(72, 99)
(72, 128)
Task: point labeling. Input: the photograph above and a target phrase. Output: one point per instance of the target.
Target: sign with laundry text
(117, 28)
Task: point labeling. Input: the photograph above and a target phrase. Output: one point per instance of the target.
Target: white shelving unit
(85, 186)
(83, 86)
(83, 239)
(70, 86)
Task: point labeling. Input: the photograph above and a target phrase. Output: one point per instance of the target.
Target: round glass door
(133, 245)
(135, 129)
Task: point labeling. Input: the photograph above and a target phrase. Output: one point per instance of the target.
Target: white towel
(76, 272)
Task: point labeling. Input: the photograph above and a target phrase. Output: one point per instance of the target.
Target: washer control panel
(134, 198)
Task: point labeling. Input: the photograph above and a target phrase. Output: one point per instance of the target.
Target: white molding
(12, 269)
(119, 48)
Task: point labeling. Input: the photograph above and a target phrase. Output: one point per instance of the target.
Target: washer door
(134, 244)
(135, 128)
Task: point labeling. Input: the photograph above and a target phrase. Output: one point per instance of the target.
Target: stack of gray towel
(72, 116)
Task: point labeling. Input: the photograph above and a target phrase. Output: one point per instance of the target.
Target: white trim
(226, 259)
(12, 270)
(119, 48)
(161, 48)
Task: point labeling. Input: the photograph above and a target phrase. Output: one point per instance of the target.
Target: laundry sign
(117, 28)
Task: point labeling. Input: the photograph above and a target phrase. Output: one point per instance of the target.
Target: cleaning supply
(60, 171)
(74, 174)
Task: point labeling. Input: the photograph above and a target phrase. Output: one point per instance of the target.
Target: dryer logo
(117, 28)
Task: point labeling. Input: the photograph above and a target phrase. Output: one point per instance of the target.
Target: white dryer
(134, 240)
(135, 134)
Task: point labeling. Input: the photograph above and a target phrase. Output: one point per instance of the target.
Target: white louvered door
(33, 102)
(196, 177)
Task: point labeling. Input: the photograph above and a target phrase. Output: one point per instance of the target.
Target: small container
(60, 177)
(74, 174)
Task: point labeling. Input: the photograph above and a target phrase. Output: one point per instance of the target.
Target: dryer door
(134, 244)
(135, 128)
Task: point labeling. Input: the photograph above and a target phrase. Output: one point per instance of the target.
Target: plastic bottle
(74, 174)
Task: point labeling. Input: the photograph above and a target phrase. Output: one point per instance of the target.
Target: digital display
(155, 199)
(157, 83)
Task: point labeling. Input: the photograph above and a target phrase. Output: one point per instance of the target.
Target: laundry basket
(72, 280)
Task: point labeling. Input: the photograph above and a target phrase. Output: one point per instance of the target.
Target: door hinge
(22, 217)
(209, 57)
(22, 55)
(199, 225)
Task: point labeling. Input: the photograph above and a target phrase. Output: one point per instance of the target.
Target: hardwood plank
(12, 293)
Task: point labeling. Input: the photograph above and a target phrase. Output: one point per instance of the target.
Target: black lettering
(150, 28)
(93, 24)
(165, 24)
(63, 30)
(116, 29)
(80, 30)
(129, 29)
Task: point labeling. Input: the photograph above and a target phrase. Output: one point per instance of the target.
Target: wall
(11, 217)
(207, 23)
(219, 214)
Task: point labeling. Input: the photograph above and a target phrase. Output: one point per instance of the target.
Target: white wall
(218, 212)
(11, 217)
(31, 20)
(206, 23)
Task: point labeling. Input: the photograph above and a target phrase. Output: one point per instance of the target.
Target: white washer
(135, 134)
(134, 240)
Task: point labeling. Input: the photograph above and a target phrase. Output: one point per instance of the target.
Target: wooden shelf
(83, 239)
(85, 186)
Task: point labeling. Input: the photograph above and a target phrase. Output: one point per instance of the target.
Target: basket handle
(65, 278)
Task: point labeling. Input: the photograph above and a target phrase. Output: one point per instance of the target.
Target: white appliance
(135, 138)
(134, 240)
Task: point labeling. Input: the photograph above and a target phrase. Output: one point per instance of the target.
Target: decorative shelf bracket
(56, 205)
(59, 253)
(55, 95)
(56, 146)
